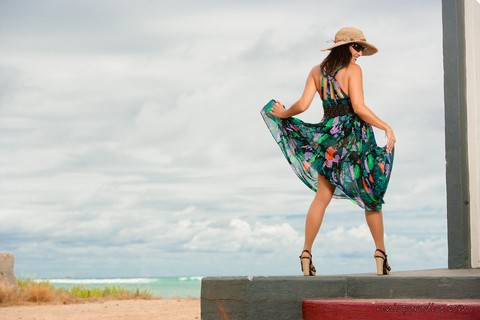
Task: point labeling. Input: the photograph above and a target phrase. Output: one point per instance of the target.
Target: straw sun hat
(350, 35)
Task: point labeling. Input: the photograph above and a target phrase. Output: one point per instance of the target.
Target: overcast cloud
(131, 142)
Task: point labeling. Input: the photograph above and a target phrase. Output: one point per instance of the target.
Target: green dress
(341, 148)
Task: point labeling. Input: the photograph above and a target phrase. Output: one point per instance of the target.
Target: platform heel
(306, 264)
(383, 268)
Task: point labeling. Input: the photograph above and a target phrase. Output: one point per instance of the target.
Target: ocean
(166, 287)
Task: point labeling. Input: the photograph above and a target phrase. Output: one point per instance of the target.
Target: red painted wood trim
(391, 309)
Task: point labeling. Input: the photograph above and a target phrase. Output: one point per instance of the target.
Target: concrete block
(414, 287)
(223, 297)
(264, 297)
(280, 298)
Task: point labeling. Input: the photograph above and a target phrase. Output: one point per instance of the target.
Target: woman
(337, 157)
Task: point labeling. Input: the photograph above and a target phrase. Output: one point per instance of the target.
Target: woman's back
(338, 82)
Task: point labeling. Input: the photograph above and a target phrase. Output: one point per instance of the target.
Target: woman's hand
(278, 110)
(390, 139)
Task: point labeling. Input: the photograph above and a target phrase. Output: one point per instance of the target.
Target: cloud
(239, 235)
(133, 132)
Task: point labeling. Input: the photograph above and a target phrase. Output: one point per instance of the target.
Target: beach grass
(31, 291)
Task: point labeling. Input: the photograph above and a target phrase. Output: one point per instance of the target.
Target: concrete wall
(456, 142)
(280, 298)
(472, 53)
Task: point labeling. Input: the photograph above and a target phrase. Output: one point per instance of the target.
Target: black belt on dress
(336, 110)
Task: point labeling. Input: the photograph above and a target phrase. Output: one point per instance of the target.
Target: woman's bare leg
(375, 223)
(316, 212)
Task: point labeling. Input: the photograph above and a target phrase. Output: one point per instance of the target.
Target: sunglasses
(357, 47)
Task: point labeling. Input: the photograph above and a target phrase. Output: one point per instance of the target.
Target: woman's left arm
(302, 104)
(355, 92)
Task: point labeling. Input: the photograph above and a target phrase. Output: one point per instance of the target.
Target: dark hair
(339, 57)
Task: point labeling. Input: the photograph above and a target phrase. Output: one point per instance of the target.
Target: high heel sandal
(306, 263)
(382, 263)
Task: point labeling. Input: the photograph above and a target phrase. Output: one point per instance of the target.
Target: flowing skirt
(342, 149)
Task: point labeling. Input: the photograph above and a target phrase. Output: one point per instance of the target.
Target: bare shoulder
(316, 68)
(316, 72)
(354, 73)
(354, 69)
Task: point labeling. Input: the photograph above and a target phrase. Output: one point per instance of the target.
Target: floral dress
(341, 148)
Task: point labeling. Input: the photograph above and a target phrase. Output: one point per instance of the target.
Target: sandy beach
(155, 309)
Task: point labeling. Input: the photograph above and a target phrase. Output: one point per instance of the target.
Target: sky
(131, 141)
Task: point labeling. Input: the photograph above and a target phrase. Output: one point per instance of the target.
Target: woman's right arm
(355, 92)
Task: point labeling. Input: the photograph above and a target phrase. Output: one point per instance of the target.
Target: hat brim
(370, 49)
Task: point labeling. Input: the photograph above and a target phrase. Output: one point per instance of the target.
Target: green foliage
(107, 292)
(30, 290)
